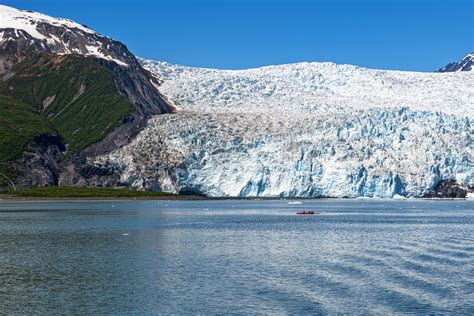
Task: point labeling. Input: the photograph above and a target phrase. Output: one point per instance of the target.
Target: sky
(416, 35)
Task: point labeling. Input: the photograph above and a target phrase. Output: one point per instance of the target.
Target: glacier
(313, 87)
(307, 130)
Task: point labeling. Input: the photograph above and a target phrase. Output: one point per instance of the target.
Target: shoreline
(157, 198)
(12, 198)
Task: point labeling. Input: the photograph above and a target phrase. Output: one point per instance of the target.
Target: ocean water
(211, 257)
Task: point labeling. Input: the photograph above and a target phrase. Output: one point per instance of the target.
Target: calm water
(357, 256)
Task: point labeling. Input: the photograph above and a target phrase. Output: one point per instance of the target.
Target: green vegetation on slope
(19, 124)
(75, 93)
(77, 192)
(73, 97)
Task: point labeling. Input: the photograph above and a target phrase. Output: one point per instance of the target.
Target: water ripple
(244, 257)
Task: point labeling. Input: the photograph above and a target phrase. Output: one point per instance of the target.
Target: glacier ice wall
(373, 153)
(307, 129)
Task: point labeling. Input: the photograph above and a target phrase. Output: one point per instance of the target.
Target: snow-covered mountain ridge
(57, 35)
(308, 129)
(30, 20)
(465, 64)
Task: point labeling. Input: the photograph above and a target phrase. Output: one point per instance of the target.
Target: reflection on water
(241, 256)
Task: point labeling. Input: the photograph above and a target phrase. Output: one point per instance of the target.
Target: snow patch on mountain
(28, 21)
(465, 64)
(61, 36)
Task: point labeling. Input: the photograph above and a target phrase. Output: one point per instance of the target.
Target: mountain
(40, 33)
(466, 64)
(77, 108)
(308, 129)
(89, 90)
(24, 34)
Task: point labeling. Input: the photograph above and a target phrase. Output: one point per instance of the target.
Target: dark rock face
(39, 166)
(466, 64)
(141, 88)
(449, 189)
(76, 170)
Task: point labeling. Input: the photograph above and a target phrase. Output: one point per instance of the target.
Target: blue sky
(419, 35)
